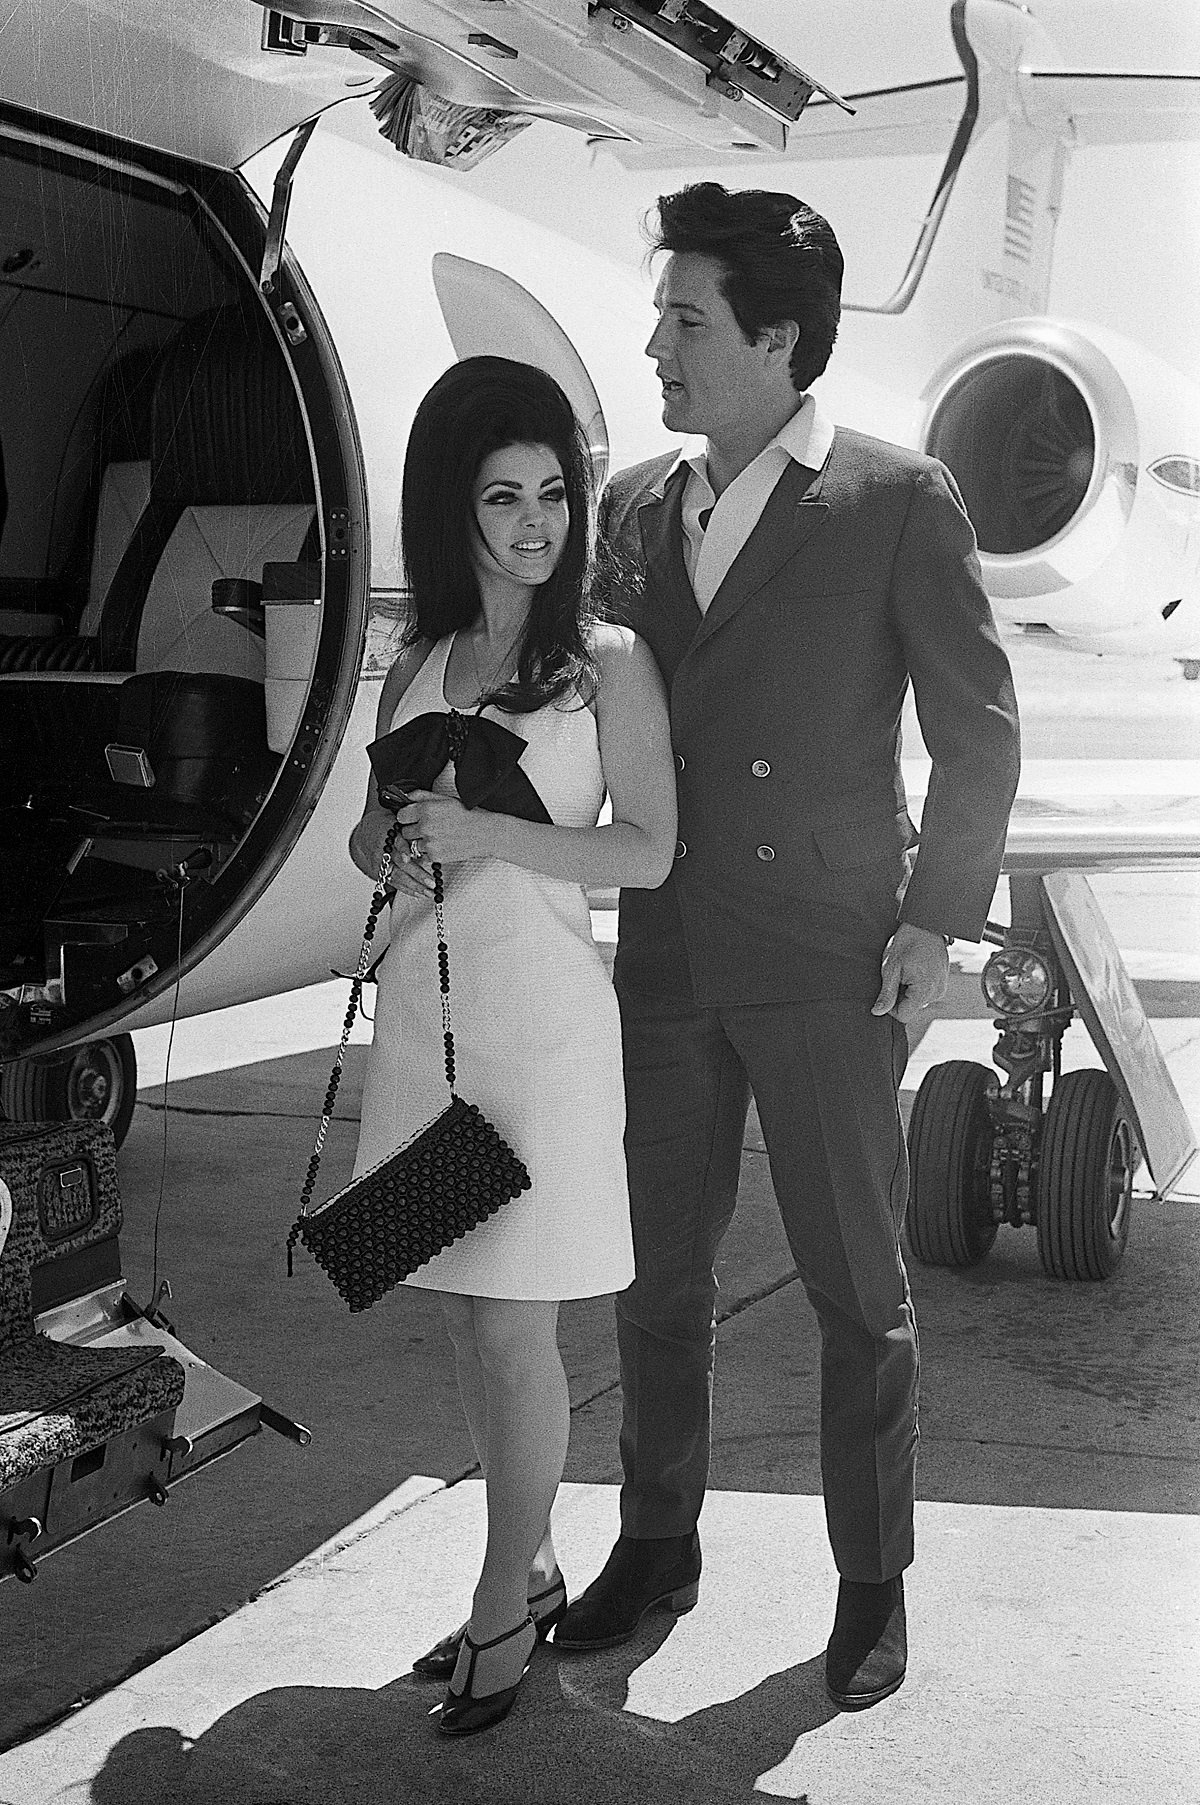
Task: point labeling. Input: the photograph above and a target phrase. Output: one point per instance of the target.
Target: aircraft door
(189, 549)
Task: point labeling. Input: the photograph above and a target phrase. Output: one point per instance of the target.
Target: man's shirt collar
(806, 438)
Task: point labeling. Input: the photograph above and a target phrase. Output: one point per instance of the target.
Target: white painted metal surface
(488, 314)
(1103, 993)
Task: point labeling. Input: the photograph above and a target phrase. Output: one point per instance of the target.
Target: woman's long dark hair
(481, 405)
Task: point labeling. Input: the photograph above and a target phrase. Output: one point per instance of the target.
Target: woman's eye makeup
(501, 496)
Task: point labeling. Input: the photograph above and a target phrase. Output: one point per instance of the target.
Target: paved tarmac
(1054, 1597)
(251, 1642)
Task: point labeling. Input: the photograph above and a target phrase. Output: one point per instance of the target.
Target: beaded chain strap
(453, 1175)
(335, 1077)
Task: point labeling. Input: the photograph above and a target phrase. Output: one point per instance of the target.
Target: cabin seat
(230, 465)
(230, 461)
(58, 1401)
(121, 501)
(120, 504)
(33, 642)
(123, 422)
(230, 489)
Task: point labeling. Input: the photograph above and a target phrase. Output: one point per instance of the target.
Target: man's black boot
(639, 1574)
(868, 1650)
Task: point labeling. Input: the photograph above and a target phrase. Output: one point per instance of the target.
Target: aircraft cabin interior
(163, 602)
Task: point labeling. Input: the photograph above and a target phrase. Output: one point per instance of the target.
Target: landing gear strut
(985, 1152)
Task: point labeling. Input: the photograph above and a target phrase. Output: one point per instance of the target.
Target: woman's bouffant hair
(780, 261)
(479, 406)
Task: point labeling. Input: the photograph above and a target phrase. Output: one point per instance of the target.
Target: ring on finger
(414, 848)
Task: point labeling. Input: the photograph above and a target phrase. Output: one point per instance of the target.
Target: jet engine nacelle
(1078, 457)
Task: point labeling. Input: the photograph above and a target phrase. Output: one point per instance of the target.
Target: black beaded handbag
(449, 1178)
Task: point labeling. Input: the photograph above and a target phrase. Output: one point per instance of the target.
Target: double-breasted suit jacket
(786, 696)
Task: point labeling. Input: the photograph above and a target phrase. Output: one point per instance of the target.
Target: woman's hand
(366, 842)
(440, 831)
(409, 877)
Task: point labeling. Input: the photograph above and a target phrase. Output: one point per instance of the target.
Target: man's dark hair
(780, 260)
(481, 405)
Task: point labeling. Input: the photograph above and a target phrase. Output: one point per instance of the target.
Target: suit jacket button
(680, 761)
(681, 850)
(766, 853)
(760, 768)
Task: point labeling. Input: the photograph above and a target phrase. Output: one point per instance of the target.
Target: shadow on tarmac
(568, 1736)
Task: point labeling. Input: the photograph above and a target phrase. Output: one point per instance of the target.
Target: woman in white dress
(496, 529)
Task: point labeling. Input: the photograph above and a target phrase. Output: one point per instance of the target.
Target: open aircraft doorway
(183, 582)
(181, 574)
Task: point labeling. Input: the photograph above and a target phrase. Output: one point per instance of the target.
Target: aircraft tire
(950, 1151)
(93, 1082)
(1085, 1178)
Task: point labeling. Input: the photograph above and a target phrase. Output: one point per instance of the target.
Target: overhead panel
(673, 74)
(217, 82)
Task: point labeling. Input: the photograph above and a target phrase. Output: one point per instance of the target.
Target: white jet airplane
(203, 411)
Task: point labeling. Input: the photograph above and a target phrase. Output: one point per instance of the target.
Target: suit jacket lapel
(793, 513)
(673, 615)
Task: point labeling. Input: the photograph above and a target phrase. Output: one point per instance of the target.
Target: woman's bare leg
(459, 1313)
(528, 1421)
(460, 1324)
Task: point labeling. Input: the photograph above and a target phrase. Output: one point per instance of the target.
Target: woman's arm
(367, 838)
(636, 850)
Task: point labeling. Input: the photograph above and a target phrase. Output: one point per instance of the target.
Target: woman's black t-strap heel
(545, 1607)
(464, 1712)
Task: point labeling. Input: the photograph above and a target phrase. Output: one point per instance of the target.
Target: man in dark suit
(796, 577)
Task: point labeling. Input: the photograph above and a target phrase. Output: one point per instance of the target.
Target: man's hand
(915, 968)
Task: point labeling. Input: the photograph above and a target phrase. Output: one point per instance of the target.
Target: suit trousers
(825, 1076)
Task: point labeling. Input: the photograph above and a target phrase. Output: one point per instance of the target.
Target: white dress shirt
(710, 551)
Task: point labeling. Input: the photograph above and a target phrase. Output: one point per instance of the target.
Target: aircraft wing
(1095, 814)
(1090, 106)
(1110, 106)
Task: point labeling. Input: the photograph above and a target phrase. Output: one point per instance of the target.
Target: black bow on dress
(484, 755)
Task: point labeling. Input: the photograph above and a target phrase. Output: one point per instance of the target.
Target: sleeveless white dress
(536, 1034)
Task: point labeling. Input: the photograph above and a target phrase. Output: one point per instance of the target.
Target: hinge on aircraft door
(287, 37)
(735, 64)
(281, 197)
